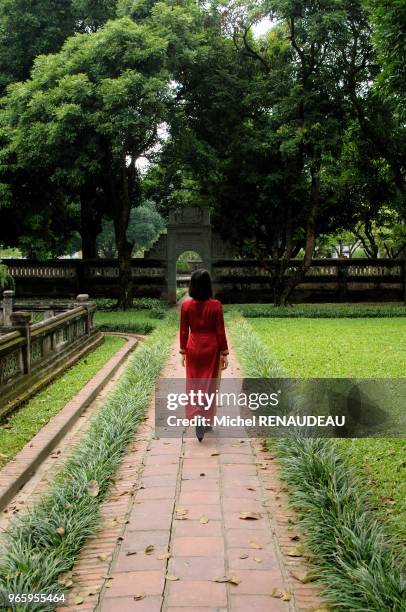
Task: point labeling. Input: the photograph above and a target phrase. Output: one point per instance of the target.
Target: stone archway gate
(189, 229)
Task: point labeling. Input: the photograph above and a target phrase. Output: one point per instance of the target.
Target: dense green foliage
(295, 140)
(32, 416)
(144, 227)
(389, 24)
(296, 135)
(33, 553)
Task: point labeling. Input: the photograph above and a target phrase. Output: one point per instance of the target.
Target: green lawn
(32, 416)
(337, 347)
(351, 348)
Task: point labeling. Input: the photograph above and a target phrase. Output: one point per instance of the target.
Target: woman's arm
(221, 332)
(184, 328)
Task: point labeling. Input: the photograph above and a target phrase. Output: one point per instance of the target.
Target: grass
(180, 293)
(351, 552)
(133, 321)
(33, 415)
(336, 486)
(141, 319)
(44, 542)
(352, 348)
(320, 311)
(382, 465)
(336, 347)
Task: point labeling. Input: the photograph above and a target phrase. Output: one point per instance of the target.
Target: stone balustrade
(32, 353)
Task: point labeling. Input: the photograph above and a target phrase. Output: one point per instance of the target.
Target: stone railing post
(8, 298)
(342, 282)
(83, 300)
(20, 320)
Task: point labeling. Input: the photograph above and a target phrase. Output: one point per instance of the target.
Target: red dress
(203, 338)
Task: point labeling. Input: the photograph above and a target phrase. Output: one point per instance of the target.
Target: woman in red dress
(203, 345)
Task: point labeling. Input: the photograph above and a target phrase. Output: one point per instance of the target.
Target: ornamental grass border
(44, 542)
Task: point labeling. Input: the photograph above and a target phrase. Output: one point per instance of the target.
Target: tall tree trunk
(122, 207)
(90, 224)
(296, 277)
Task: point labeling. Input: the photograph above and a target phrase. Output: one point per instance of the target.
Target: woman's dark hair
(200, 285)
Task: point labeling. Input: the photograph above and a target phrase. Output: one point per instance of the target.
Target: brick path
(172, 525)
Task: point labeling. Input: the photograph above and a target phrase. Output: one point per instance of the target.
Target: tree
(389, 23)
(144, 228)
(29, 28)
(270, 116)
(89, 111)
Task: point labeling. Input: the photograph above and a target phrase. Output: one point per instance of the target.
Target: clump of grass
(132, 321)
(32, 416)
(321, 311)
(257, 362)
(144, 303)
(353, 555)
(44, 542)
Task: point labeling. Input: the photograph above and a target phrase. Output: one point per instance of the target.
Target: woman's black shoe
(200, 432)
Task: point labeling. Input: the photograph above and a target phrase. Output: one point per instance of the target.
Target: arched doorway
(186, 264)
(189, 229)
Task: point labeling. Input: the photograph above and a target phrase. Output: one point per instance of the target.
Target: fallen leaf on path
(171, 577)
(181, 514)
(182, 511)
(139, 596)
(109, 583)
(204, 520)
(296, 551)
(102, 557)
(255, 545)
(149, 549)
(214, 454)
(250, 516)
(163, 556)
(305, 577)
(251, 489)
(78, 600)
(295, 537)
(131, 552)
(257, 559)
(228, 579)
(244, 556)
(285, 596)
(93, 488)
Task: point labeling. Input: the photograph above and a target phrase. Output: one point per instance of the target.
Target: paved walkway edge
(20, 469)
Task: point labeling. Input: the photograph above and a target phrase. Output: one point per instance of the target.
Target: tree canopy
(295, 134)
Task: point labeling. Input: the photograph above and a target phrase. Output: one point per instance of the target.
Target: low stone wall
(329, 280)
(65, 278)
(32, 354)
(235, 280)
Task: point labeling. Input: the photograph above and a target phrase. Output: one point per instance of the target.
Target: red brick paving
(159, 477)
